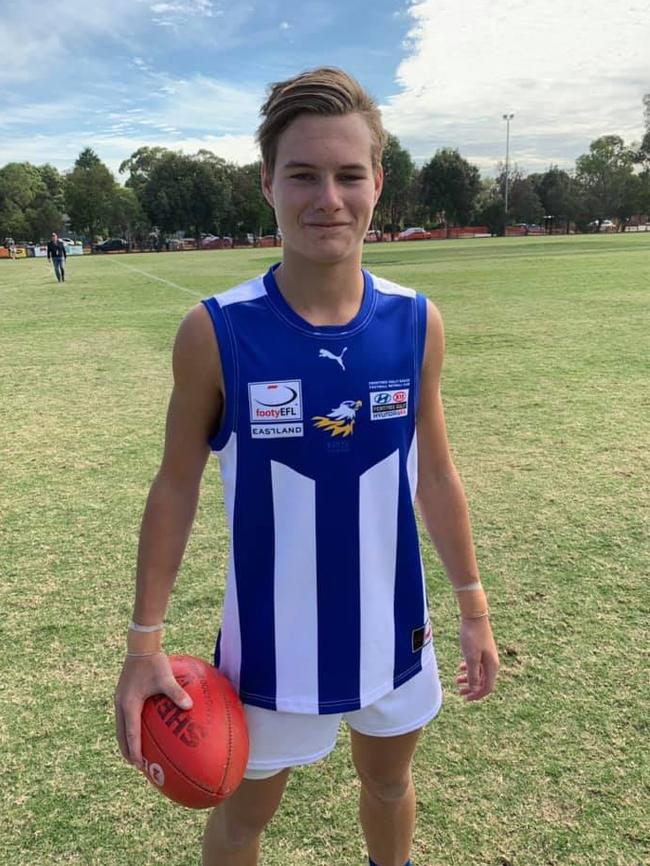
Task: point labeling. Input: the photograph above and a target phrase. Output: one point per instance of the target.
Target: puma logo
(324, 353)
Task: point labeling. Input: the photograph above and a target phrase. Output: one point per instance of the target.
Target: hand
(141, 678)
(478, 671)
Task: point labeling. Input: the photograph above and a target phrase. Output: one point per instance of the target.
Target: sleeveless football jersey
(325, 607)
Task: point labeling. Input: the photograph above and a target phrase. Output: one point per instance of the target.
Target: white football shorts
(279, 740)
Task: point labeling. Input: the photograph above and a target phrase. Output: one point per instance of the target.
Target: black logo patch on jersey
(420, 637)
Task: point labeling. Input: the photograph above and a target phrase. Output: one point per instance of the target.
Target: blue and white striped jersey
(325, 608)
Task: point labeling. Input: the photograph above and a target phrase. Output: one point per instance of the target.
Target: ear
(266, 180)
(379, 182)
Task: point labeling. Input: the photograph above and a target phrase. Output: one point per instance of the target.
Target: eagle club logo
(340, 421)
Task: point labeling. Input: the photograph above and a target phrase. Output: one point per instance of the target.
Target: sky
(116, 75)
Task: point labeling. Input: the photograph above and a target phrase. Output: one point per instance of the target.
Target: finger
(491, 669)
(476, 695)
(179, 696)
(474, 674)
(132, 727)
(120, 733)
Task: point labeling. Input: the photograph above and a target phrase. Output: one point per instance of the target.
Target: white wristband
(147, 629)
(130, 655)
(468, 587)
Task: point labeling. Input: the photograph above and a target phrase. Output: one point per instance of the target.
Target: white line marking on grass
(154, 277)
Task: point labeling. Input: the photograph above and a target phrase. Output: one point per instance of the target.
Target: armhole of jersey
(225, 342)
(420, 341)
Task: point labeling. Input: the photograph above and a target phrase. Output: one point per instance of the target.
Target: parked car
(414, 233)
(214, 242)
(605, 226)
(269, 241)
(372, 236)
(112, 245)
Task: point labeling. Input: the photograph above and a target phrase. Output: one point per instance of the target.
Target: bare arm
(193, 416)
(443, 506)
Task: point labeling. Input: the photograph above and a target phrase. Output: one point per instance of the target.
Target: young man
(57, 254)
(318, 386)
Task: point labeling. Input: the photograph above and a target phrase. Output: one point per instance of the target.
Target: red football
(195, 757)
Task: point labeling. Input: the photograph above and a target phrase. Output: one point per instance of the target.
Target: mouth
(326, 225)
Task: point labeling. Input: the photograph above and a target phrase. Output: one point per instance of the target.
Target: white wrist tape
(147, 629)
(469, 587)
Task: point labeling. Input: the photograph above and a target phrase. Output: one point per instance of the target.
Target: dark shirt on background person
(56, 250)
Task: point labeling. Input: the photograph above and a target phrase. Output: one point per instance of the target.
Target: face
(55, 237)
(324, 188)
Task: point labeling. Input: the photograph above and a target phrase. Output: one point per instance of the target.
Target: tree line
(167, 191)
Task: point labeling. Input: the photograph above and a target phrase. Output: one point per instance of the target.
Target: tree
(449, 187)
(644, 193)
(46, 212)
(605, 174)
(417, 211)
(89, 191)
(524, 204)
(398, 175)
(489, 208)
(53, 182)
(125, 216)
(558, 194)
(20, 183)
(87, 159)
(30, 201)
(249, 211)
(139, 166)
(183, 192)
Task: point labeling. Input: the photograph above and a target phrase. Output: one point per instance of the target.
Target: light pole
(507, 118)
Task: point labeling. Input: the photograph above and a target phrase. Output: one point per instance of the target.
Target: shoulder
(196, 353)
(250, 290)
(434, 327)
(387, 287)
(434, 347)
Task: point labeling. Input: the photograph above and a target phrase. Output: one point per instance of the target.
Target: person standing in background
(57, 254)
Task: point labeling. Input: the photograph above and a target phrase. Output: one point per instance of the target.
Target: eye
(302, 175)
(351, 178)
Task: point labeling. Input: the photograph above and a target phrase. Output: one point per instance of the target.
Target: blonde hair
(327, 92)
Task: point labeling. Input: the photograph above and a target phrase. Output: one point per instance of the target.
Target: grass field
(546, 394)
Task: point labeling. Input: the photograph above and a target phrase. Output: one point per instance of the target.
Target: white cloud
(40, 113)
(32, 47)
(189, 7)
(203, 103)
(177, 14)
(61, 150)
(569, 72)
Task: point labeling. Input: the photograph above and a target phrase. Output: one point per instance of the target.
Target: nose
(328, 198)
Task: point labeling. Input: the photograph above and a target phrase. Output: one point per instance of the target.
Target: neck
(322, 294)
